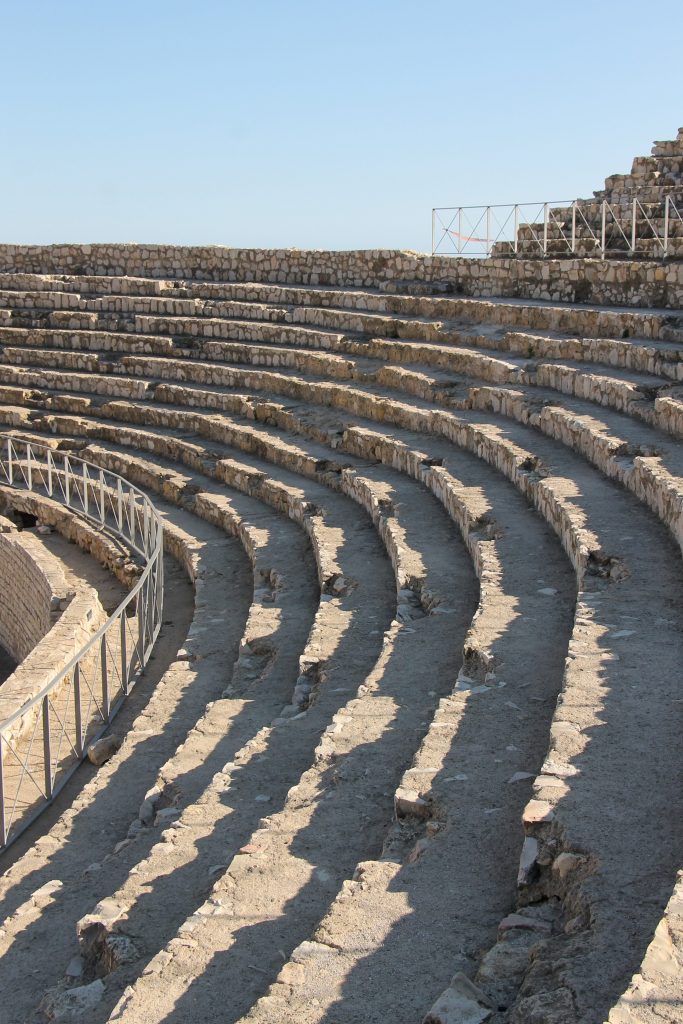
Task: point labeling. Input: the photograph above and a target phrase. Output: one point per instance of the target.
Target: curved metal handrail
(80, 700)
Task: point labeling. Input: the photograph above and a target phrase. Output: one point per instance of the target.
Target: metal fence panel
(43, 742)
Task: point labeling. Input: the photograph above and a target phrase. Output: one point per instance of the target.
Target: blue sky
(333, 125)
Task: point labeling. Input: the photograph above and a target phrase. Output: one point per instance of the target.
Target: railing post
(119, 505)
(131, 513)
(145, 529)
(85, 488)
(604, 227)
(142, 624)
(102, 513)
(433, 230)
(29, 466)
(149, 606)
(105, 677)
(460, 229)
(488, 230)
(47, 753)
(67, 482)
(78, 714)
(516, 228)
(3, 820)
(545, 229)
(49, 472)
(124, 654)
(633, 226)
(10, 461)
(574, 226)
(158, 589)
(666, 227)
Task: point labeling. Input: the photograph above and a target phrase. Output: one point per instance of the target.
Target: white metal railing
(43, 742)
(598, 227)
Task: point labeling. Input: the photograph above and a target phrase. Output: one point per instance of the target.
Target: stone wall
(621, 282)
(32, 591)
(79, 531)
(76, 626)
(43, 624)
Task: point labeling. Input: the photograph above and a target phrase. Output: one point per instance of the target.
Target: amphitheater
(341, 605)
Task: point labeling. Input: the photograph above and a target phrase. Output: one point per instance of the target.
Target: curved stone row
(165, 481)
(403, 395)
(488, 609)
(27, 568)
(447, 346)
(665, 410)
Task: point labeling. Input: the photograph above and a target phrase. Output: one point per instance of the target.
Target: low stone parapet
(33, 591)
(625, 282)
(43, 623)
(77, 624)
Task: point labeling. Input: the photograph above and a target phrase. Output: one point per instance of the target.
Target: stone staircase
(639, 209)
(418, 757)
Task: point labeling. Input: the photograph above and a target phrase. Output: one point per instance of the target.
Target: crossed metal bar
(43, 742)
(559, 228)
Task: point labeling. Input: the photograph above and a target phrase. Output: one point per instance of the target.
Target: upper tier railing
(43, 742)
(600, 228)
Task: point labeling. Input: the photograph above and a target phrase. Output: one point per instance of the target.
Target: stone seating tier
(435, 540)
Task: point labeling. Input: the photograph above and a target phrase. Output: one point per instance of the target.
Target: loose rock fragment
(461, 1003)
(101, 750)
(74, 1003)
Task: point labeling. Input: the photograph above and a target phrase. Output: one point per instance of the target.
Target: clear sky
(318, 124)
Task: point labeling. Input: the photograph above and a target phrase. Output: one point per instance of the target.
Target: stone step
(618, 389)
(419, 512)
(328, 319)
(655, 358)
(365, 394)
(292, 598)
(541, 598)
(335, 374)
(223, 933)
(623, 193)
(647, 213)
(584, 492)
(527, 313)
(377, 270)
(633, 454)
(101, 342)
(660, 178)
(615, 388)
(646, 248)
(669, 147)
(650, 480)
(365, 943)
(77, 850)
(446, 340)
(472, 360)
(617, 230)
(414, 415)
(664, 159)
(307, 458)
(205, 726)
